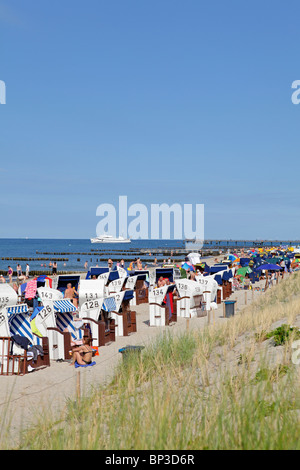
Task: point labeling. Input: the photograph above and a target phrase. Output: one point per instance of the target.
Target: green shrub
(283, 333)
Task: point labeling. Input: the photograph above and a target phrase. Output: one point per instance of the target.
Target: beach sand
(24, 399)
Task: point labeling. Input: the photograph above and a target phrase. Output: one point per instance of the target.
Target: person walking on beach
(10, 273)
(27, 270)
(54, 268)
(19, 270)
(110, 263)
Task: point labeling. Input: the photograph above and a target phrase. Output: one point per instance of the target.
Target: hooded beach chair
(139, 282)
(162, 306)
(62, 329)
(165, 273)
(114, 279)
(190, 301)
(224, 278)
(8, 296)
(195, 297)
(43, 323)
(60, 282)
(91, 297)
(96, 271)
(115, 283)
(21, 350)
(47, 293)
(117, 307)
(65, 321)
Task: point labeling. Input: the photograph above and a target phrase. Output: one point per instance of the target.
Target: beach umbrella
(187, 266)
(243, 271)
(268, 267)
(45, 280)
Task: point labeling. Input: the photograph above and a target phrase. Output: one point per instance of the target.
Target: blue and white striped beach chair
(62, 331)
(15, 321)
(64, 318)
(118, 308)
(19, 323)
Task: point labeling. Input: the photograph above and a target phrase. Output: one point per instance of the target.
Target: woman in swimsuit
(82, 354)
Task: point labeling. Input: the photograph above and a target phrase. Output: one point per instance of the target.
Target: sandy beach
(23, 399)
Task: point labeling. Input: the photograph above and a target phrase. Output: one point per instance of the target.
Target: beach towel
(85, 365)
(36, 351)
(31, 288)
(169, 302)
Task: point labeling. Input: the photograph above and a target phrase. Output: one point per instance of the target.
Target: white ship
(110, 239)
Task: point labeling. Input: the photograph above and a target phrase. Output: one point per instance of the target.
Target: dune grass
(225, 386)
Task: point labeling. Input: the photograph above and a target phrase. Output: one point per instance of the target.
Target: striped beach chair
(43, 323)
(139, 283)
(57, 320)
(64, 310)
(15, 322)
(117, 307)
(19, 323)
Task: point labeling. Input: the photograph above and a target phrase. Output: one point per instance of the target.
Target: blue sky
(163, 101)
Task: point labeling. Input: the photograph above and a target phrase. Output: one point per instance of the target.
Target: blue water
(78, 251)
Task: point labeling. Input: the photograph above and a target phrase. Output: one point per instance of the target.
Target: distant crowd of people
(20, 275)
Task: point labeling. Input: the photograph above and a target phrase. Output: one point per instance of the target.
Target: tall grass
(222, 387)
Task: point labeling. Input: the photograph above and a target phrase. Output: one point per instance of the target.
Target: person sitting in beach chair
(161, 282)
(247, 282)
(139, 264)
(192, 276)
(72, 294)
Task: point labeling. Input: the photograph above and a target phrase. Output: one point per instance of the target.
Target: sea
(72, 254)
